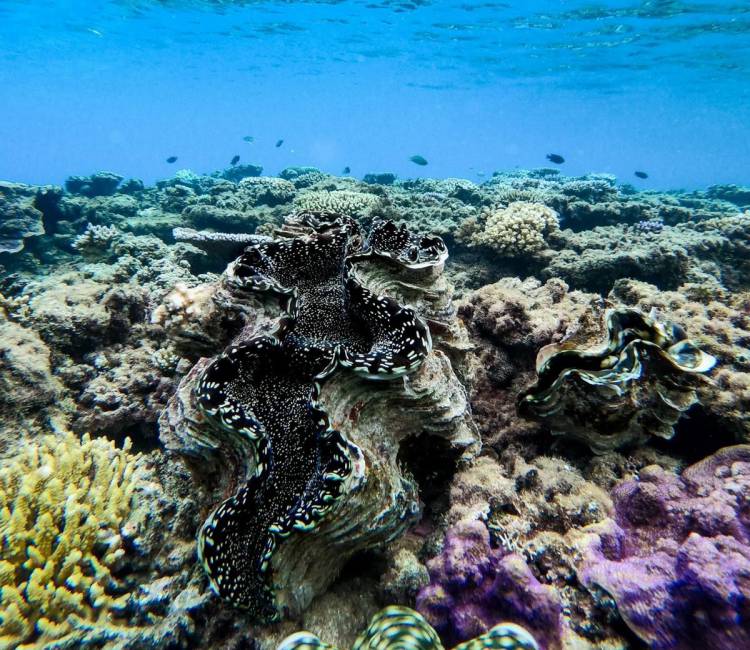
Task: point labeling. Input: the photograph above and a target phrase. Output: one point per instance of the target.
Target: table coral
(518, 230)
(676, 555)
(63, 503)
(399, 627)
(358, 204)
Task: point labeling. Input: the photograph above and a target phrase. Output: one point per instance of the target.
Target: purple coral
(676, 558)
(474, 587)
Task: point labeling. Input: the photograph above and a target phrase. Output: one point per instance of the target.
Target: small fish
(418, 160)
(249, 138)
(347, 170)
(279, 143)
(641, 174)
(234, 161)
(172, 159)
(555, 158)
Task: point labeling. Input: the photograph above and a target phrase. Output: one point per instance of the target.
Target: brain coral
(339, 202)
(63, 504)
(518, 230)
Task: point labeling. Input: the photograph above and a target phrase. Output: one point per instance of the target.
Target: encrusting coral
(676, 554)
(472, 586)
(395, 628)
(63, 504)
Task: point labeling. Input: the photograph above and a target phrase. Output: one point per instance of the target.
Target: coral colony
(260, 411)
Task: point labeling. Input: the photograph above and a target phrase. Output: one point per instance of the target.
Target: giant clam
(636, 384)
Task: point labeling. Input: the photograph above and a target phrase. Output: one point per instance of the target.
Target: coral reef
(21, 219)
(635, 385)
(399, 627)
(117, 303)
(676, 555)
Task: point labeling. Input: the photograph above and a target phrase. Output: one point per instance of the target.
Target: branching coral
(63, 504)
(518, 230)
(399, 627)
(95, 239)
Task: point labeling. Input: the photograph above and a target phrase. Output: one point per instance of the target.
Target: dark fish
(555, 158)
(249, 138)
(172, 159)
(419, 160)
(641, 174)
(279, 143)
(347, 170)
(234, 160)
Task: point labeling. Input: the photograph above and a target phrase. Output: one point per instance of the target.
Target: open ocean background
(473, 86)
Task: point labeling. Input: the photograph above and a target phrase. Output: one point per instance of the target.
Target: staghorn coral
(356, 204)
(676, 555)
(399, 627)
(519, 230)
(635, 385)
(64, 502)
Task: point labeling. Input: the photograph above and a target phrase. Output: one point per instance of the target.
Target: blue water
(660, 86)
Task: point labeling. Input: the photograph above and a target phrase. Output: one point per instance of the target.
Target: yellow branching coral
(338, 201)
(62, 503)
(518, 230)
